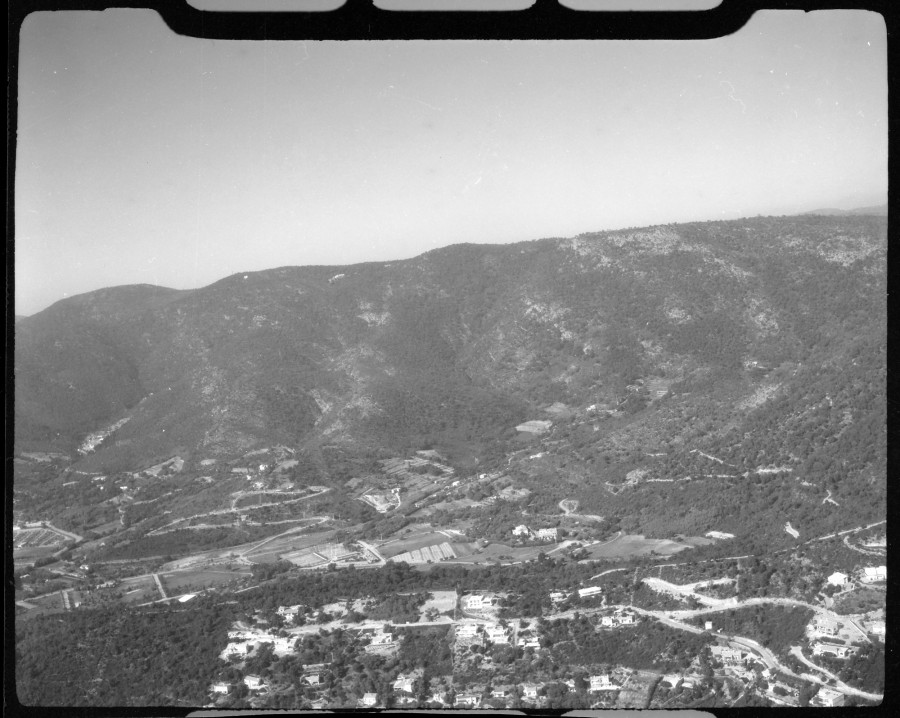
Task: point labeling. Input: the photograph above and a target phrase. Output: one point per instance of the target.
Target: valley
(636, 468)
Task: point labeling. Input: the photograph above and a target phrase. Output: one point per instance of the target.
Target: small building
(382, 639)
(708, 626)
(404, 684)
(289, 611)
(602, 683)
(589, 591)
(838, 579)
(826, 626)
(254, 683)
(547, 534)
(608, 621)
(726, 655)
(626, 619)
(312, 679)
(220, 687)
(829, 697)
(838, 650)
(521, 530)
(871, 574)
(497, 634)
(467, 699)
(558, 596)
(368, 700)
(531, 643)
(530, 691)
(476, 602)
(876, 628)
(466, 630)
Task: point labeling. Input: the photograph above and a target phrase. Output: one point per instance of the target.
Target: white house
(404, 684)
(369, 699)
(476, 602)
(607, 621)
(521, 530)
(871, 574)
(838, 579)
(254, 683)
(219, 688)
(382, 639)
(726, 655)
(602, 683)
(829, 697)
(468, 699)
(547, 534)
(242, 649)
(284, 643)
(827, 626)
(312, 679)
(877, 629)
(530, 690)
(497, 634)
(289, 611)
(832, 649)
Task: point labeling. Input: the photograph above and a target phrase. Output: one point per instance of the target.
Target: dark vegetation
(120, 657)
(776, 627)
(644, 645)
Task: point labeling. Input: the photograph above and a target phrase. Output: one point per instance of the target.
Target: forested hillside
(757, 342)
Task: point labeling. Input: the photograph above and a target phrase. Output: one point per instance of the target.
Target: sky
(147, 157)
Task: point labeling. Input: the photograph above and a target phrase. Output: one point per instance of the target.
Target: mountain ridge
(408, 351)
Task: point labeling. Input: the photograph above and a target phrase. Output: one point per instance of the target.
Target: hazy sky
(146, 157)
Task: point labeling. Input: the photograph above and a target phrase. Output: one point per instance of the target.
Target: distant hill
(880, 210)
(455, 347)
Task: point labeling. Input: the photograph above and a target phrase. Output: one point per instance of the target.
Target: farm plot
(35, 538)
(411, 543)
(181, 581)
(503, 553)
(439, 552)
(270, 550)
(309, 556)
(634, 545)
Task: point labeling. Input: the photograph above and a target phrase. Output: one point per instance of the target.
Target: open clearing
(177, 582)
(440, 601)
(635, 545)
(501, 552)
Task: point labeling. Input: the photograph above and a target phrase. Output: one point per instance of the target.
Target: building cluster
(873, 574)
(480, 602)
(243, 642)
(546, 534)
(620, 618)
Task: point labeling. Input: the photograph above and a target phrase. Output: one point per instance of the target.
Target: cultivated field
(501, 552)
(181, 581)
(411, 543)
(35, 538)
(438, 552)
(634, 545)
